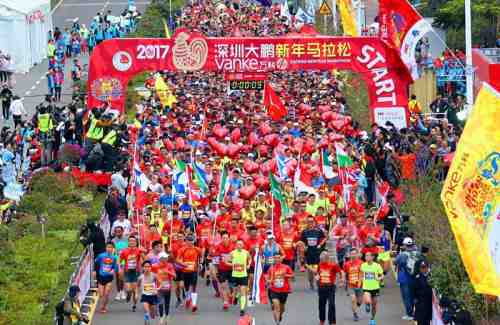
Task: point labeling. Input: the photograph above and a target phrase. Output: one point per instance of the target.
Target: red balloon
(338, 124)
(265, 129)
(309, 146)
(263, 150)
(272, 139)
(246, 148)
(168, 144)
(253, 139)
(323, 108)
(237, 205)
(262, 182)
(212, 142)
(233, 150)
(250, 167)
(248, 192)
(220, 132)
(179, 143)
(268, 166)
(327, 116)
(335, 137)
(298, 144)
(236, 135)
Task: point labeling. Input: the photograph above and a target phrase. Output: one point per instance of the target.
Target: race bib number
(189, 266)
(279, 283)
(238, 267)
(312, 241)
(225, 258)
(215, 260)
(369, 276)
(108, 269)
(132, 263)
(149, 288)
(165, 285)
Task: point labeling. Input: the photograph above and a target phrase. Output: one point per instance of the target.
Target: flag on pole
(275, 107)
(223, 185)
(167, 30)
(304, 16)
(343, 159)
(196, 194)
(141, 180)
(402, 27)
(281, 162)
(278, 195)
(303, 180)
(381, 191)
(164, 92)
(347, 17)
(326, 164)
(200, 177)
(259, 295)
(180, 179)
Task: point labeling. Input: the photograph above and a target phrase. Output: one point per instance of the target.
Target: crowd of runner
(207, 168)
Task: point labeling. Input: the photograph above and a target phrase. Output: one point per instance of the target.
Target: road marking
(38, 82)
(27, 93)
(98, 4)
(33, 88)
(42, 77)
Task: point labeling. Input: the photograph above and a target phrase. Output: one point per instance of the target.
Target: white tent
(24, 31)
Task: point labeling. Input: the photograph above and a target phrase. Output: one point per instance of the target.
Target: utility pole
(469, 69)
(334, 14)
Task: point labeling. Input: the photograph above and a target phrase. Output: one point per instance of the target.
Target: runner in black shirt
(313, 239)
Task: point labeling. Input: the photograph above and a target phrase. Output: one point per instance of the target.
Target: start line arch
(114, 62)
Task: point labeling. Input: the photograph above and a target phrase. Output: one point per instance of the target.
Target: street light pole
(469, 69)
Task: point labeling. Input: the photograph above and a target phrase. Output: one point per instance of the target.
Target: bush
(430, 226)
(34, 272)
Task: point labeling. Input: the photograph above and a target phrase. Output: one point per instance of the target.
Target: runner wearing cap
(165, 273)
(278, 277)
(288, 240)
(252, 244)
(240, 261)
(189, 258)
(131, 257)
(269, 250)
(372, 274)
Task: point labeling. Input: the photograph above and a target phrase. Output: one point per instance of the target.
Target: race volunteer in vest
(95, 131)
(326, 275)
(108, 147)
(45, 129)
(240, 260)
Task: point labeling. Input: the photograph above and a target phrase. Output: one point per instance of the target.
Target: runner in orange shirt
(189, 258)
(165, 273)
(352, 274)
(278, 278)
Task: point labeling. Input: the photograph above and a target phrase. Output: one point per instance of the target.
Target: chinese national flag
(275, 107)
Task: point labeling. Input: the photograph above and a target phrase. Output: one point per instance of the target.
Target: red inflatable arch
(114, 62)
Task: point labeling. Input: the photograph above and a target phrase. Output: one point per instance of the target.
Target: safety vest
(414, 107)
(95, 132)
(137, 124)
(51, 50)
(110, 138)
(45, 123)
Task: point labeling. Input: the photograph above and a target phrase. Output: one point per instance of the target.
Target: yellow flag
(164, 92)
(471, 193)
(347, 16)
(167, 31)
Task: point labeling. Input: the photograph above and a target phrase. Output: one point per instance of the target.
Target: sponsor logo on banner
(395, 115)
(105, 89)
(409, 45)
(189, 56)
(122, 61)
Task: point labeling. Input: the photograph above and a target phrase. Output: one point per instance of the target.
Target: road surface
(32, 86)
(301, 310)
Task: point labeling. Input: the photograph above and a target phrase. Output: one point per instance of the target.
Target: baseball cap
(407, 241)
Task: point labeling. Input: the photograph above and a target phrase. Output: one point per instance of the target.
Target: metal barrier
(82, 276)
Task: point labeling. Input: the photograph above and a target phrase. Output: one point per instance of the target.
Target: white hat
(407, 241)
(270, 236)
(163, 255)
(387, 146)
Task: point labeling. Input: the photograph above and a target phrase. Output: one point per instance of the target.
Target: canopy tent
(24, 31)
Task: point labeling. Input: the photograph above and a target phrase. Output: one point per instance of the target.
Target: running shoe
(195, 308)
(355, 317)
(225, 307)
(217, 295)
(372, 322)
(187, 304)
(134, 308)
(242, 313)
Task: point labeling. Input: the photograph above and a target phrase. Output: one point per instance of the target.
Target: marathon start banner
(114, 62)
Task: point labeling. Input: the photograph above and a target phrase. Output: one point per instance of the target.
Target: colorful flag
(164, 92)
(381, 191)
(326, 164)
(343, 159)
(304, 17)
(197, 196)
(278, 195)
(200, 177)
(223, 185)
(281, 162)
(141, 180)
(402, 27)
(275, 107)
(303, 180)
(347, 17)
(180, 179)
(471, 193)
(259, 295)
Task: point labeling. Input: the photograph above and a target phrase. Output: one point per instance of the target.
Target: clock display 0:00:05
(246, 85)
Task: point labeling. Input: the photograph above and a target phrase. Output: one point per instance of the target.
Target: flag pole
(469, 69)
(171, 206)
(272, 212)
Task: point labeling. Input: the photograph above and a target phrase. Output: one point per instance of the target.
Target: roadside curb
(56, 6)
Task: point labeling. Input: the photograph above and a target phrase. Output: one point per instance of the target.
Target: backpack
(411, 261)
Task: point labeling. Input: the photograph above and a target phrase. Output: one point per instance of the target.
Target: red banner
(115, 62)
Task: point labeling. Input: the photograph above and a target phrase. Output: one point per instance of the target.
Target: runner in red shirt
(189, 258)
(369, 229)
(287, 240)
(165, 273)
(352, 271)
(278, 278)
(326, 275)
(235, 231)
(131, 257)
(204, 231)
(176, 244)
(346, 235)
(172, 228)
(224, 268)
(252, 244)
